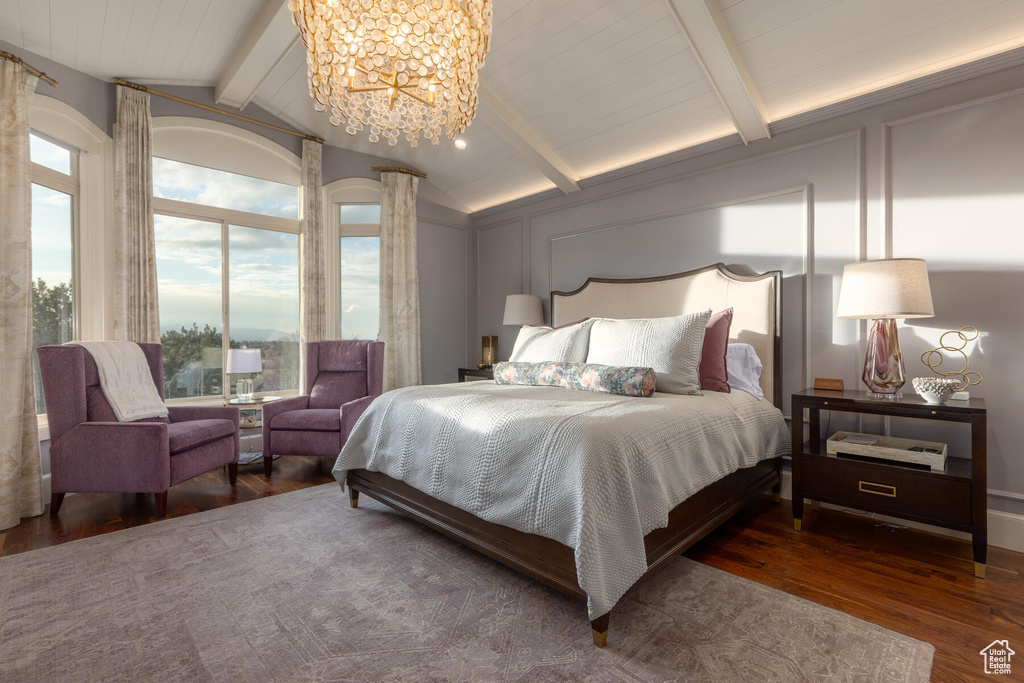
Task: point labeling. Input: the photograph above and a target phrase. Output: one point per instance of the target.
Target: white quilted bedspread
(593, 471)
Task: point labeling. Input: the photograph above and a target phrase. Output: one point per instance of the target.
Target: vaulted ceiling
(571, 88)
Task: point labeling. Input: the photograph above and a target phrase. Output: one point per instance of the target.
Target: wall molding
(887, 127)
(807, 246)
(518, 220)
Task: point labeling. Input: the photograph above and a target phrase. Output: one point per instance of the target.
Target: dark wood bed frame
(554, 564)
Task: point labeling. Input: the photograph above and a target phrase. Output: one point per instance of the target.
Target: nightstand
(954, 498)
(472, 374)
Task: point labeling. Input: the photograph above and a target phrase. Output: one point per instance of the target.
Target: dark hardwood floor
(910, 581)
(90, 514)
(914, 582)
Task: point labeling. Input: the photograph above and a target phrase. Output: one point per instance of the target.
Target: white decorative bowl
(936, 389)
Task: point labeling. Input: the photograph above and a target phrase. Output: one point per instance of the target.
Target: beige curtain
(136, 310)
(312, 246)
(20, 479)
(399, 281)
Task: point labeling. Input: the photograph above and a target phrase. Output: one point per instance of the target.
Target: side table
(953, 498)
(250, 427)
(471, 374)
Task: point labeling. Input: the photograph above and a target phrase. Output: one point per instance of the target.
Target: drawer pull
(878, 489)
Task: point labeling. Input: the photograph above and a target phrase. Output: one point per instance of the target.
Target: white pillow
(671, 346)
(552, 345)
(744, 369)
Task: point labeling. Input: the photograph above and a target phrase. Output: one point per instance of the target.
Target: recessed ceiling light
(460, 143)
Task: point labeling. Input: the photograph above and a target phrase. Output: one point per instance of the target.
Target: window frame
(70, 185)
(226, 218)
(211, 144)
(344, 191)
(92, 204)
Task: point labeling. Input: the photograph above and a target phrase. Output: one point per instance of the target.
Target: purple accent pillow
(713, 374)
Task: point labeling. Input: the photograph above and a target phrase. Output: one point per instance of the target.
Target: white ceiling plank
(139, 35)
(269, 40)
(163, 30)
(63, 31)
(117, 19)
(213, 41)
(510, 127)
(181, 39)
(705, 28)
(35, 17)
(10, 27)
(90, 35)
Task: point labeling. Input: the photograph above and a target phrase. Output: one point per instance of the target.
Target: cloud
(210, 187)
(352, 308)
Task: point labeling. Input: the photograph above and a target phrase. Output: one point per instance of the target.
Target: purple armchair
(91, 452)
(342, 379)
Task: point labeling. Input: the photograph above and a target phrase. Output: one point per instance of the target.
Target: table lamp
(883, 291)
(523, 309)
(520, 309)
(243, 361)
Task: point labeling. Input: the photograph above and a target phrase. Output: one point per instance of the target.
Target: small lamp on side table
(243, 361)
(522, 309)
(883, 291)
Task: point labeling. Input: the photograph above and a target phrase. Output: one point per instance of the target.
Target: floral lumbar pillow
(608, 379)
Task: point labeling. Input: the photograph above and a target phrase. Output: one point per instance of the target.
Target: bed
(589, 512)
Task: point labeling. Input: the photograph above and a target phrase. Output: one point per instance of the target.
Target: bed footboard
(552, 563)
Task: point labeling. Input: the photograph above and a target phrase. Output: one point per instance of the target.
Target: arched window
(226, 217)
(354, 207)
(70, 174)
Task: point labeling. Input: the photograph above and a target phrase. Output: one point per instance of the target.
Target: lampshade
(244, 360)
(887, 288)
(523, 309)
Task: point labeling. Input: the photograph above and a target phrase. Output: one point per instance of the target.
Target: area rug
(300, 587)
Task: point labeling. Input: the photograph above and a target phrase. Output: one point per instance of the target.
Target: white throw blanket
(125, 379)
(595, 472)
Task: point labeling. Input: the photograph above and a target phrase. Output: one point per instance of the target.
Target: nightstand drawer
(888, 490)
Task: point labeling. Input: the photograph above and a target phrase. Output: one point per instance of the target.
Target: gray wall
(937, 175)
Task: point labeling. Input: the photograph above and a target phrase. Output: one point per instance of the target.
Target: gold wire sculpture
(965, 334)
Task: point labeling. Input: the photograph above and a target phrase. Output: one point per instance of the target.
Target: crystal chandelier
(395, 66)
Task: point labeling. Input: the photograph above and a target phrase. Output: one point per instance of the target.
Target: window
(359, 229)
(264, 295)
(188, 267)
(55, 191)
(227, 262)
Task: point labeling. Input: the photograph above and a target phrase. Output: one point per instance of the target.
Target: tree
(53, 322)
(185, 372)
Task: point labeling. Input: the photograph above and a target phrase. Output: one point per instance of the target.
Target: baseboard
(46, 489)
(1005, 529)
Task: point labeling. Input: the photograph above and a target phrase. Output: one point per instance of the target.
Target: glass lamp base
(885, 397)
(883, 360)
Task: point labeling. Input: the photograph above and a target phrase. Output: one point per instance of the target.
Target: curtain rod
(398, 169)
(158, 93)
(31, 69)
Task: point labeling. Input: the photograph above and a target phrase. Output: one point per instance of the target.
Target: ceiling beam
(515, 132)
(271, 36)
(704, 26)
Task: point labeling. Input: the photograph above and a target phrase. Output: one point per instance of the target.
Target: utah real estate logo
(997, 657)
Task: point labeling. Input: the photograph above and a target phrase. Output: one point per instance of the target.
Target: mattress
(595, 472)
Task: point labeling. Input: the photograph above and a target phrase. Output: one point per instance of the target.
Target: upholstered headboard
(756, 301)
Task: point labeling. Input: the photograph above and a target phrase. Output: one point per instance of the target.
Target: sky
(51, 217)
(262, 264)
